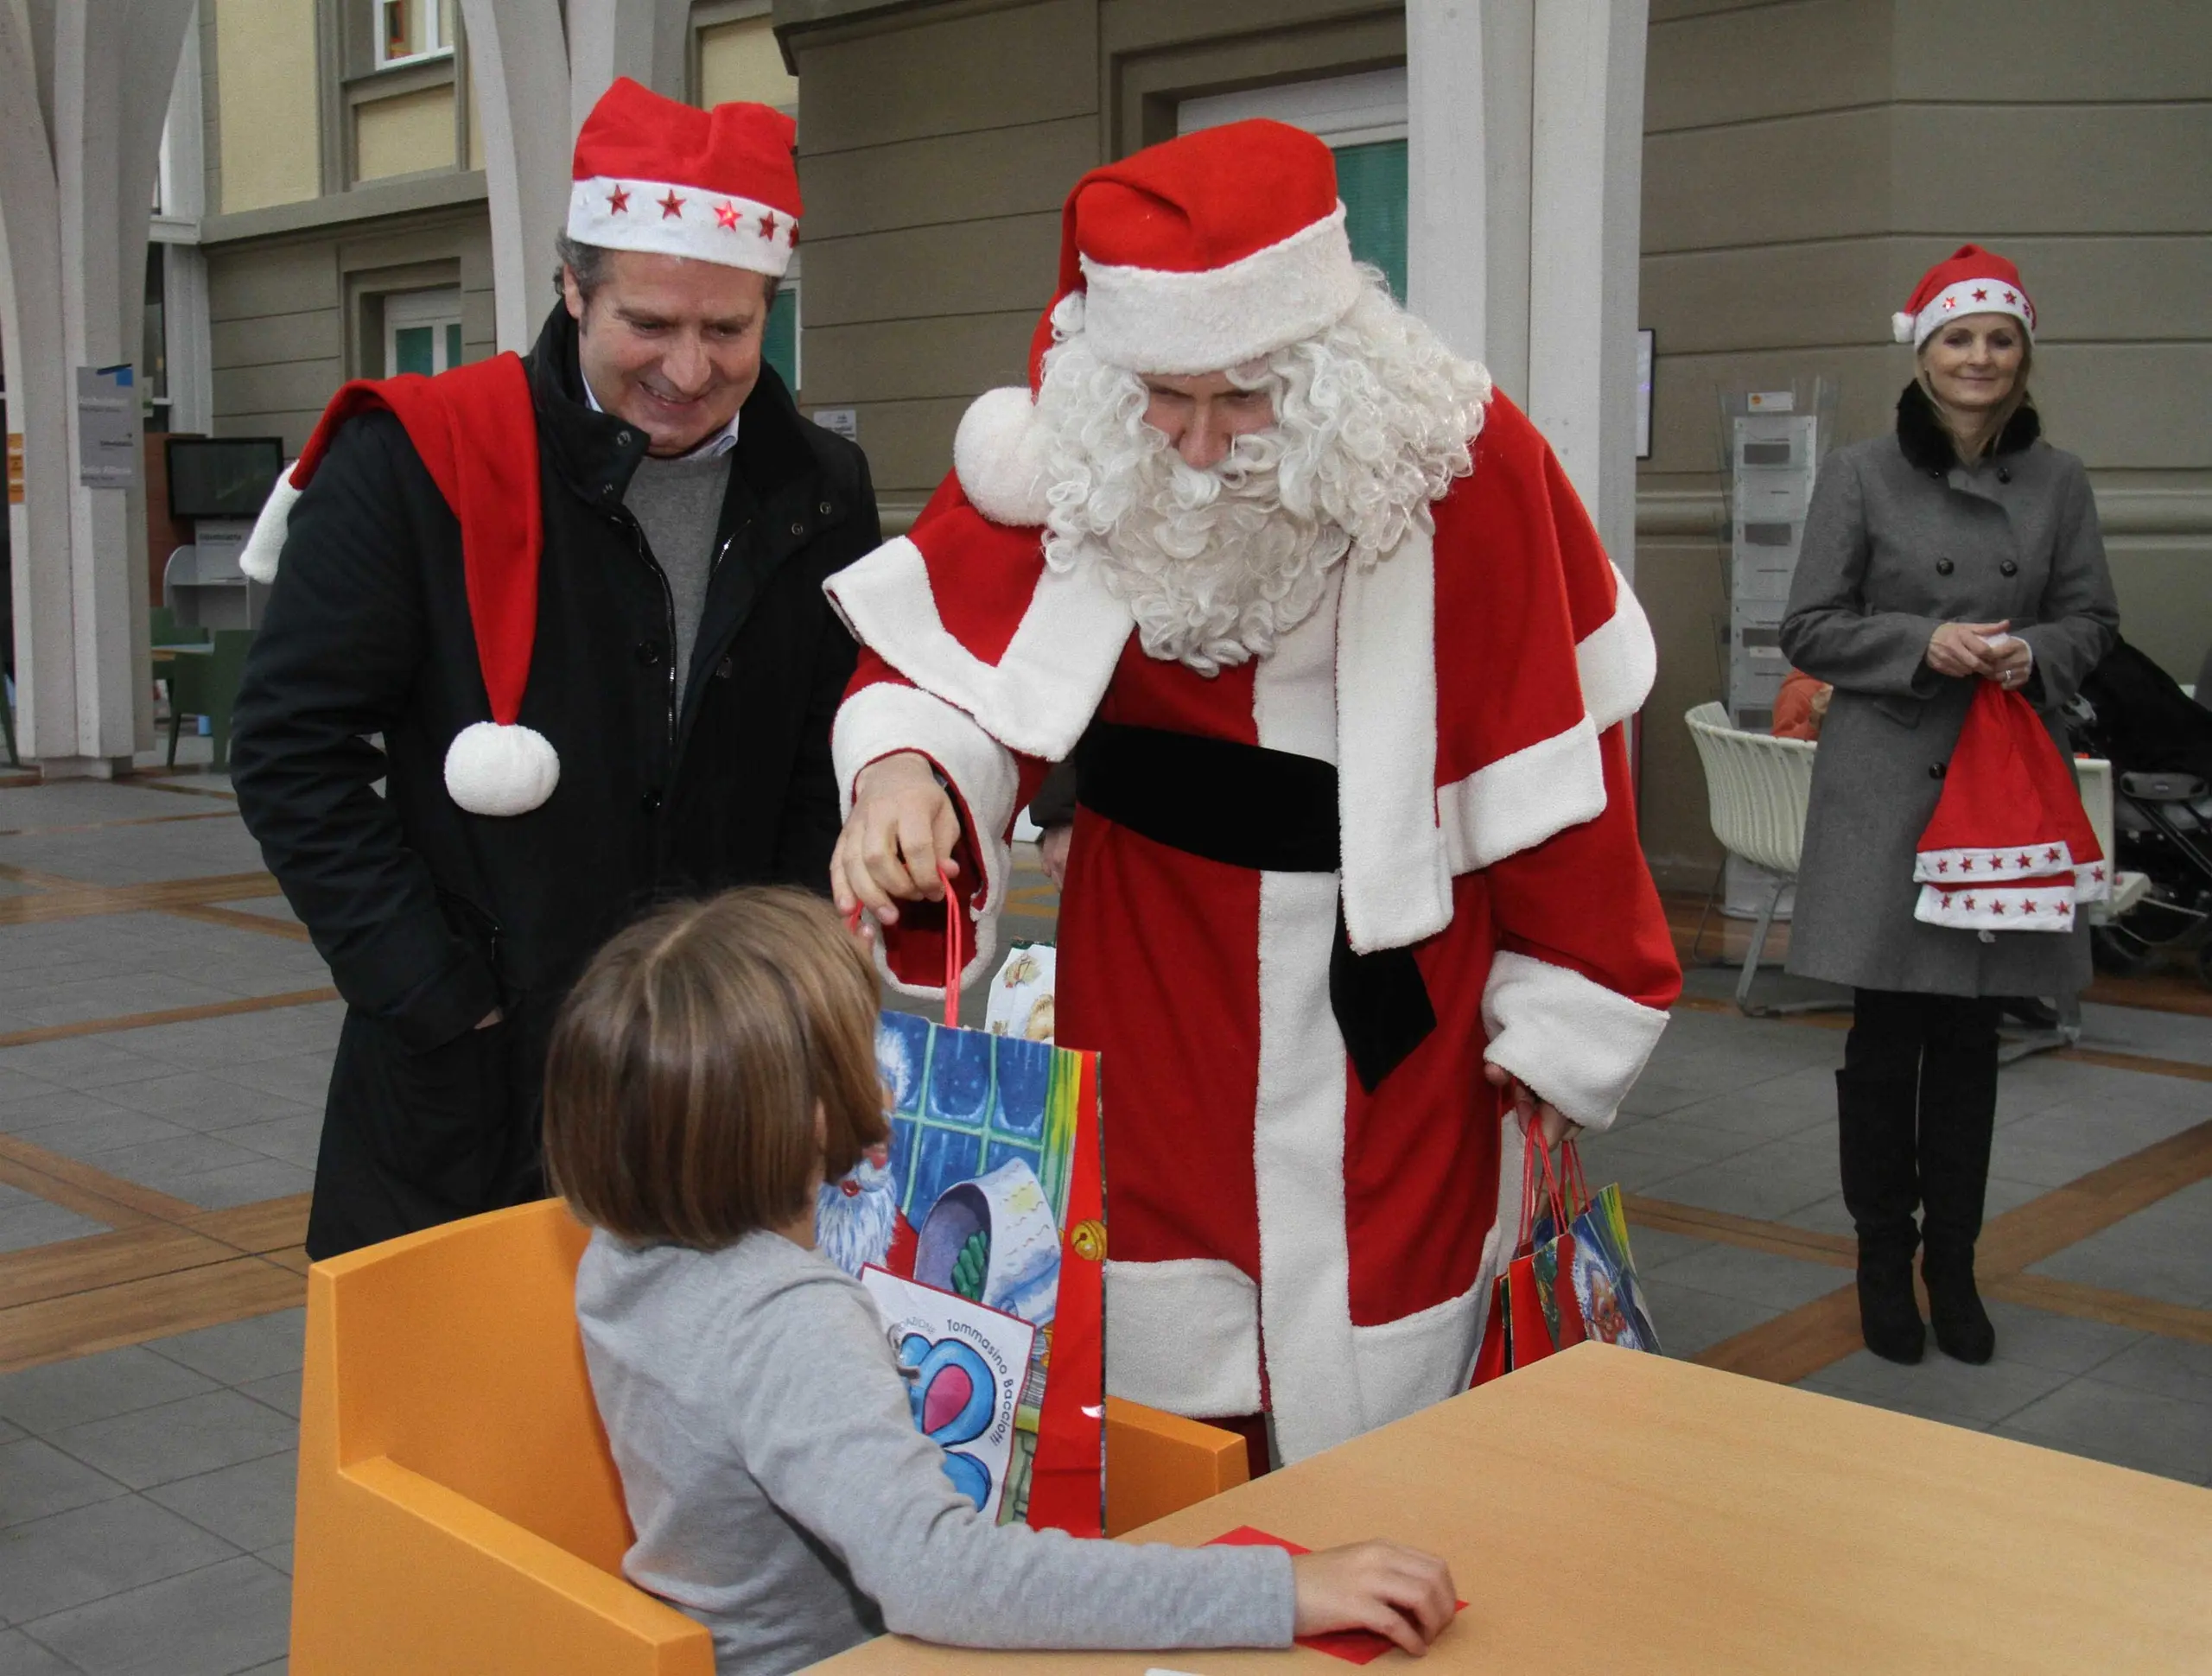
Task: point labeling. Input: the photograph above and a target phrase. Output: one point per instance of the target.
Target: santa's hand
(902, 833)
(1551, 1123)
(1052, 853)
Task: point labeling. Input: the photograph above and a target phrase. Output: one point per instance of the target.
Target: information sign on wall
(108, 420)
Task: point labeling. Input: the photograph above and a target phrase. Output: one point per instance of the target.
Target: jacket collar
(1927, 446)
(588, 447)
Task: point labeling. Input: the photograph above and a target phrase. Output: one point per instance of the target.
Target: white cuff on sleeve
(1575, 1043)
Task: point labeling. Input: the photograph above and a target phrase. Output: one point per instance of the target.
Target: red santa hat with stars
(1191, 256)
(2010, 848)
(717, 185)
(1969, 281)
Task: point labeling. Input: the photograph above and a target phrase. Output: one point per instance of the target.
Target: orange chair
(458, 1509)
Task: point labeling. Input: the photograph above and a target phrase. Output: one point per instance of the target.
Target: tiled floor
(165, 1041)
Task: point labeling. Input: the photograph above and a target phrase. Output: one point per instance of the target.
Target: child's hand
(1399, 1592)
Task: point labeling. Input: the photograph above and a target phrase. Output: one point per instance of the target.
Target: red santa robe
(1279, 1237)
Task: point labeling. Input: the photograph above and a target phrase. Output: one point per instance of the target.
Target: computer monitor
(222, 477)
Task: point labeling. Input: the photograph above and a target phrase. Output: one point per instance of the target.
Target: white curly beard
(1374, 419)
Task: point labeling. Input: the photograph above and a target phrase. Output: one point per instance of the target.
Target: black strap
(1274, 811)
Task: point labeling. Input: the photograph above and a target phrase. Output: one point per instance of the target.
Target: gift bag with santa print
(988, 1195)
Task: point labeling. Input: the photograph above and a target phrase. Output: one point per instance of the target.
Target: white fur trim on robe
(258, 558)
(1183, 1336)
(1397, 887)
(1582, 1043)
(1618, 661)
(1040, 695)
(885, 718)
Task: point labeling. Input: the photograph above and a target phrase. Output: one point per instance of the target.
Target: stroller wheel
(2115, 949)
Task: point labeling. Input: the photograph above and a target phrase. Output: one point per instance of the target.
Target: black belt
(1274, 811)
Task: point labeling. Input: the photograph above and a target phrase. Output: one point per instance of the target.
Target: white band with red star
(675, 221)
(1967, 296)
(1952, 867)
(2045, 905)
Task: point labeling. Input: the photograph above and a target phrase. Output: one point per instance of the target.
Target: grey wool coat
(1900, 539)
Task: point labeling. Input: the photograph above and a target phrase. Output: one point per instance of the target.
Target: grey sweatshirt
(783, 1498)
(677, 503)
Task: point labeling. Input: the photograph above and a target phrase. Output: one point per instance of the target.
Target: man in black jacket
(686, 666)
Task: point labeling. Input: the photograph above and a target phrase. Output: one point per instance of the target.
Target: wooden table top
(1607, 1510)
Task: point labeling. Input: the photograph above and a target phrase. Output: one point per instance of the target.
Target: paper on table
(1356, 1646)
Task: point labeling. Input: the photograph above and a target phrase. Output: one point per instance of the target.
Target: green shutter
(779, 340)
(453, 344)
(1371, 179)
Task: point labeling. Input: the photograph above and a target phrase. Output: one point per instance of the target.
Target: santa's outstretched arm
(884, 716)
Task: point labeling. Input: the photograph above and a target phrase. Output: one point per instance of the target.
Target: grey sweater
(783, 1498)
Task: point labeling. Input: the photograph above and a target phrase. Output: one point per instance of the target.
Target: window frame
(435, 307)
(433, 25)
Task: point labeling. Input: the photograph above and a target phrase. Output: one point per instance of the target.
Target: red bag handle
(956, 955)
(1535, 1156)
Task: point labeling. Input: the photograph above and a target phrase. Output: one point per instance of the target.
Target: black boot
(1875, 1096)
(1958, 1113)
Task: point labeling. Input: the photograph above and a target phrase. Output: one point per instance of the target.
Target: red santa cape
(1281, 1236)
(2010, 848)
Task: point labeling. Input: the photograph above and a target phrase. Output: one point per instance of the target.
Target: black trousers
(1916, 1105)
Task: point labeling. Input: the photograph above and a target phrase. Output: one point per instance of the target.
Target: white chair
(1759, 787)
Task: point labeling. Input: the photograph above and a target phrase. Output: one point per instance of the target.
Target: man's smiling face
(670, 344)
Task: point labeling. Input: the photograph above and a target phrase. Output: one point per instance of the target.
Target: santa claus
(1355, 874)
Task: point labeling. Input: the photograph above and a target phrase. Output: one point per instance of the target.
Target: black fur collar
(1927, 446)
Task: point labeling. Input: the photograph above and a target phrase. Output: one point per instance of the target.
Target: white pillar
(1525, 120)
(643, 40)
(1584, 233)
(77, 211)
(520, 62)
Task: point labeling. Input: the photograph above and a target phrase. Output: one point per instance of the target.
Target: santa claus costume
(1343, 833)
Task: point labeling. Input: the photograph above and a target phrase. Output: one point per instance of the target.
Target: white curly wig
(1373, 418)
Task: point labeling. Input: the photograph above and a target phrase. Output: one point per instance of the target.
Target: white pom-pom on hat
(258, 558)
(999, 455)
(495, 770)
(1901, 328)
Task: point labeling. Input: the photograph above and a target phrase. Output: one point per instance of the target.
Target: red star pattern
(1949, 303)
(1943, 866)
(2096, 875)
(1981, 296)
(2023, 860)
(768, 225)
(726, 215)
(2028, 906)
(2051, 855)
(1967, 865)
(1969, 905)
(671, 205)
(1997, 907)
(2012, 296)
(618, 202)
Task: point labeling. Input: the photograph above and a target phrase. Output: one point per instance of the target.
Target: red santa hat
(717, 185)
(2010, 848)
(476, 431)
(1970, 281)
(1191, 256)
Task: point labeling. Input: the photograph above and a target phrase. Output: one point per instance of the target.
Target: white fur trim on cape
(495, 770)
(1518, 802)
(885, 717)
(1183, 1336)
(1298, 1170)
(1397, 887)
(2043, 906)
(1040, 695)
(258, 558)
(674, 220)
(999, 453)
(1577, 1043)
(1150, 320)
(1618, 661)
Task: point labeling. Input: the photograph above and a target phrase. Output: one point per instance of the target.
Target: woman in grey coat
(1961, 549)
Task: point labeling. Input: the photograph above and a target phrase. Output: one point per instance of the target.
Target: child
(713, 1065)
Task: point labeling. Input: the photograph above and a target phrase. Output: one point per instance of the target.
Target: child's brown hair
(689, 1061)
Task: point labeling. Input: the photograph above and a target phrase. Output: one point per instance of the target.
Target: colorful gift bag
(1571, 1276)
(989, 1190)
